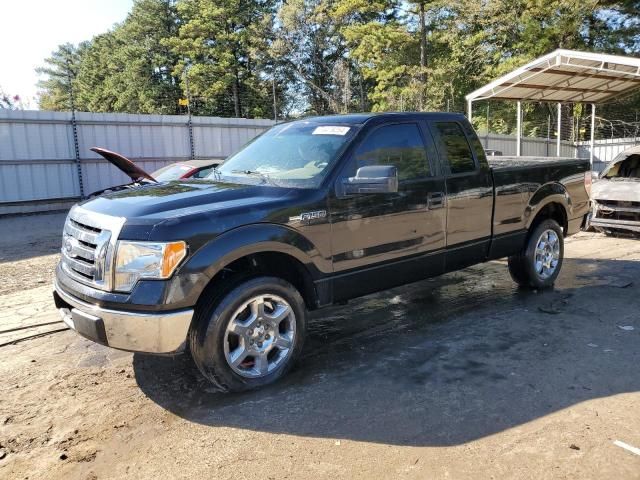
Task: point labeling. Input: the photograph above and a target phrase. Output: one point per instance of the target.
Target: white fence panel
(606, 150)
(38, 156)
(507, 144)
(135, 136)
(220, 137)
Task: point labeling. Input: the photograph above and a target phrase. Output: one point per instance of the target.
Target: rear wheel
(250, 337)
(539, 263)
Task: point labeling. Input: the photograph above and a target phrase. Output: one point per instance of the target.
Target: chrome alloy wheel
(547, 254)
(260, 336)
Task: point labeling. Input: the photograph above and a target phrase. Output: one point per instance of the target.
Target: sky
(32, 29)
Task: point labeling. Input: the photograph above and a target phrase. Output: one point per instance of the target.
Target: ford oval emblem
(69, 243)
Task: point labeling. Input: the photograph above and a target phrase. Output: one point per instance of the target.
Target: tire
(539, 270)
(233, 335)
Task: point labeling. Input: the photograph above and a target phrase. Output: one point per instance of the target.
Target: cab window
(454, 148)
(400, 145)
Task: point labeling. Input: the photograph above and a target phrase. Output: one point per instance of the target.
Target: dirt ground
(463, 376)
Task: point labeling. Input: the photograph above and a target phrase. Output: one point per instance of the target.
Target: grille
(87, 247)
(618, 204)
(619, 215)
(618, 210)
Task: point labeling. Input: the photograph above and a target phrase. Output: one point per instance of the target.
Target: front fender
(548, 193)
(193, 276)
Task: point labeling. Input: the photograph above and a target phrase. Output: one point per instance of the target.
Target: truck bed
(517, 179)
(506, 162)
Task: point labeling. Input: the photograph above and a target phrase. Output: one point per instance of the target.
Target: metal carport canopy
(564, 76)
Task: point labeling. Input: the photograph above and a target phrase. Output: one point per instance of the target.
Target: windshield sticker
(330, 130)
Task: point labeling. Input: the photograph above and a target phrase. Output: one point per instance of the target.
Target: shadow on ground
(440, 362)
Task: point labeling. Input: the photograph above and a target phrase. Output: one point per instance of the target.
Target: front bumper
(602, 224)
(615, 216)
(157, 332)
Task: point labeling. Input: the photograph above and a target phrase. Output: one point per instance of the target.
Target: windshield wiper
(255, 173)
(216, 173)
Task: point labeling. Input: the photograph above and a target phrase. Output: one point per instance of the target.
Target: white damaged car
(616, 195)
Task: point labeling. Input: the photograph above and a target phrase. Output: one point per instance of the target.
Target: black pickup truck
(311, 213)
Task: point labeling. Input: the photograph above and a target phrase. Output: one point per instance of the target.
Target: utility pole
(423, 49)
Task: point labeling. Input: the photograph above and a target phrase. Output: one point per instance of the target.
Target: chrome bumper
(618, 224)
(137, 332)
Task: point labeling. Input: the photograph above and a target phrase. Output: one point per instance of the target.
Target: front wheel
(538, 264)
(250, 337)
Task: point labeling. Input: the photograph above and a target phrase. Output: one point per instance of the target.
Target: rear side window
(400, 145)
(453, 145)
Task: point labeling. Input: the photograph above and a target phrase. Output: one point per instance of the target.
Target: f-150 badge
(309, 216)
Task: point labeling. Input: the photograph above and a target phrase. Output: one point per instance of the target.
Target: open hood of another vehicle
(124, 164)
(619, 191)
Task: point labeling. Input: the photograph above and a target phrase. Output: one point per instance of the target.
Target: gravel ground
(29, 247)
(463, 376)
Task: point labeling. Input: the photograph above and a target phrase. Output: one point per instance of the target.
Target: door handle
(435, 200)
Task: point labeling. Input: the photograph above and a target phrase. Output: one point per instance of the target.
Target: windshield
(297, 154)
(627, 169)
(171, 172)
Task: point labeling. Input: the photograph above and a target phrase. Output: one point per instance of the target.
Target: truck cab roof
(362, 118)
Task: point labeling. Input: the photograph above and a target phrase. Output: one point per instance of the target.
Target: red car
(186, 169)
(174, 171)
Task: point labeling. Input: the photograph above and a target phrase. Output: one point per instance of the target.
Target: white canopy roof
(566, 76)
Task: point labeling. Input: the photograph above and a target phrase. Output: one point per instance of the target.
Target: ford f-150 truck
(311, 213)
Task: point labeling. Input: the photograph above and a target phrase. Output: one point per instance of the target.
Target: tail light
(587, 182)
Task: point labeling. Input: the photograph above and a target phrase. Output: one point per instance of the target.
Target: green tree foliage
(326, 56)
(222, 47)
(61, 73)
(308, 43)
(128, 69)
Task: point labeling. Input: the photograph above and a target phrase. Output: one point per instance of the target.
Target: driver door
(380, 240)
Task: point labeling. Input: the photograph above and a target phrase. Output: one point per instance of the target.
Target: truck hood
(620, 190)
(179, 198)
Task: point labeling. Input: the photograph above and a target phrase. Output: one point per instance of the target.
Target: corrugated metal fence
(605, 150)
(530, 146)
(38, 158)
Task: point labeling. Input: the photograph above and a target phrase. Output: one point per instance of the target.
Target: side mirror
(372, 179)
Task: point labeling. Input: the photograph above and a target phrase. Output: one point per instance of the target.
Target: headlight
(136, 260)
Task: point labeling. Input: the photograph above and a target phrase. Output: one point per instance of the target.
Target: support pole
(192, 150)
(593, 133)
(519, 130)
(546, 151)
(469, 111)
(275, 102)
(486, 141)
(559, 128)
(74, 129)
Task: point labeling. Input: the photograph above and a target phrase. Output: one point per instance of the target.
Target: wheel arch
(261, 249)
(551, 201)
